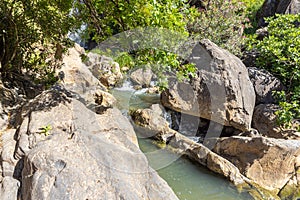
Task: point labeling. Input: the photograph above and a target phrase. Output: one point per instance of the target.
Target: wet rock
(265, 121)
(105, 69)
(269, 162)
(141, 77)
(222, 91)
(271, 7)
(264, 84)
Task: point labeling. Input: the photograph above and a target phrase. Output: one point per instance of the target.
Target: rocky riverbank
(70, 142)
(242, 140)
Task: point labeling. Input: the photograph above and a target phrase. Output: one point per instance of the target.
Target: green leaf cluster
(222, 22)
(32, 36)
(279, 53)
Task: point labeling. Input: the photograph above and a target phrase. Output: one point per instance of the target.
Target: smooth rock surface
(222, 91)
(141, 77)
(83, 155)
(269, 162)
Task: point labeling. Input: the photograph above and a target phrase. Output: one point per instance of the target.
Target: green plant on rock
(45, 130)
(279, 53)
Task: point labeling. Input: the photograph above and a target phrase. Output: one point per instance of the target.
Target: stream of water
(188, 180)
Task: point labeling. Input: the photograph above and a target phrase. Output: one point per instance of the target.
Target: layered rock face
(222, 91)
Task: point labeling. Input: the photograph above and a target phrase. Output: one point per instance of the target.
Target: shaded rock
(249, 57)
(104, 68)
(265, 121)
(84, 156)
(269, 162)
(264, 85)
(271, 7)
(222, 91)
(141, 77)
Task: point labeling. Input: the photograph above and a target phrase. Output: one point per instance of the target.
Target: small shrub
(222, 22)
(279, 53)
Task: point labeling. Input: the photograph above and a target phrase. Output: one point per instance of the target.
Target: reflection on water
(190, 181)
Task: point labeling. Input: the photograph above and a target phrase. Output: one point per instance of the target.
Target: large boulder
(265, 121)
(222, 91)
(271, 7)
(270, 162)
(69, 151)
(264, 84)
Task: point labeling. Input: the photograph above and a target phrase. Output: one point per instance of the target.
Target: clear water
(188, 180)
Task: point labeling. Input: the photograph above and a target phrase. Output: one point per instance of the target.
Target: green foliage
(46, 130)
(279, 53)
(107, 18)
(289, 110)
(252, 7)
(32, 36)
(222, 22)
(153, 52)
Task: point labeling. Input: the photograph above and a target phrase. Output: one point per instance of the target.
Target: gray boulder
(85, 87)
(141, 77)
(9, 188)
(265, 121)
(270, 162)
(150, 121)
(222, 91)
(82, 155)
(271, 7)
(104, 69)
(264, 84)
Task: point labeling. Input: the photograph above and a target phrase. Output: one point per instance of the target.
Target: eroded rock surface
(105, 69)
(83, 155)
(141, 77)
(264, 84)
(265, 121)
(221, 92)
(270, 162)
